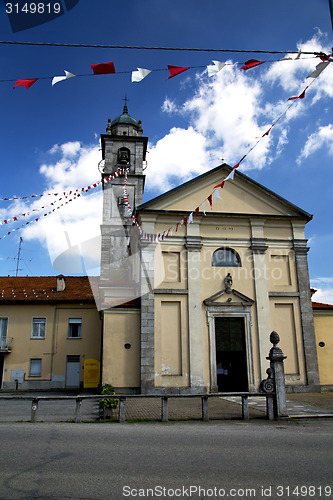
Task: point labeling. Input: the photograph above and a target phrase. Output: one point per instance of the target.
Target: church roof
(125, 118)
(151, 204)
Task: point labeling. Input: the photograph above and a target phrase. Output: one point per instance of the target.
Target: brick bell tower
(123, 146)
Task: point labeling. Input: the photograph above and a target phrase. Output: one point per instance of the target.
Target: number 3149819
(33, 8)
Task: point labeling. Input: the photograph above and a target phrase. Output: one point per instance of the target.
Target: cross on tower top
(125, 105)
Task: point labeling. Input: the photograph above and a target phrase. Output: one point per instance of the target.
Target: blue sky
(50, 135)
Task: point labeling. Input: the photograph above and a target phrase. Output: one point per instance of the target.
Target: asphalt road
(256, 459)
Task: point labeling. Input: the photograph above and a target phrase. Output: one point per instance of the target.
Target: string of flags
(215, 194)
(68, 193)
(139, 74)
(188, 219)
(75, 195)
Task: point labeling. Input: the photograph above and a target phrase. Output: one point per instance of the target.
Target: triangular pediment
(230, 298)
(242, 195)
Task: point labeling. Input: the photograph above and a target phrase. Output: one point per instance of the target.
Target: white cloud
(319, 139)
(180, 154)
(169, 106)
(324, 287)
(76, 167)
(68, 149)
(291, 75)
(75, 221)
(325, 296)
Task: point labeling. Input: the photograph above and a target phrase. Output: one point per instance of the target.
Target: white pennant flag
(203, 208)
(139, 75)
(57, 79)
(212, 70)
(190, 218)
(319, 68)
(216, 195)
(230, 177)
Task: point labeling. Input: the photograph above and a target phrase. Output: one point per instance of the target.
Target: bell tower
(123, 147)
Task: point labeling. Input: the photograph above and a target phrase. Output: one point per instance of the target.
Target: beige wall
(278, 271)
(121, 366)
(323, 321)
(54, 348)
(171, 341)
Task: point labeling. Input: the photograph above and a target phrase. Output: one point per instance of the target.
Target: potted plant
(107, 405)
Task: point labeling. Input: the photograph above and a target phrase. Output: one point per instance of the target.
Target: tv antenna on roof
(18, 258)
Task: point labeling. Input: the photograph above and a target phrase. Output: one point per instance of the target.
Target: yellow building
(323, 322)
(49, 327)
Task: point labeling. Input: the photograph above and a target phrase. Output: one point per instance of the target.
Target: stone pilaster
(193, 246)
(259, 247)
(147, 359)
(309, 341)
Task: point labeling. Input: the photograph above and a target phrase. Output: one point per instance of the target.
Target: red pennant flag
(301, 96)
(25, 83)
(251, 63)
(185, 221)
(322, 56)
(197, 212)
(268, 131)
(210, 199)
(220, 185)
(175, 70)
(237, 164)
(103, 69)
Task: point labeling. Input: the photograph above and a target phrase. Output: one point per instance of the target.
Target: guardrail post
(78, 410)
(121, 417)
(34, 410)
(204, 404)
(270, 407)
(245, 408)
(164, 415)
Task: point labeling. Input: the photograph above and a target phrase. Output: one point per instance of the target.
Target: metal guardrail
(122, 398)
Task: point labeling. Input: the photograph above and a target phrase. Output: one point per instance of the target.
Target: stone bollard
(275, 381)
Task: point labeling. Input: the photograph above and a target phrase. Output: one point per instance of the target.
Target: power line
(138, 47)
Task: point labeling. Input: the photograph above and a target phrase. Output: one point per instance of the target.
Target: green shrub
(108, 390)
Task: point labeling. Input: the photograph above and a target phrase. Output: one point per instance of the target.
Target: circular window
(321, 344)
(127, 346)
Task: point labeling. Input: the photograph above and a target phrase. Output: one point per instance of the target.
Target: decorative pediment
(232, 298)
(228, 296)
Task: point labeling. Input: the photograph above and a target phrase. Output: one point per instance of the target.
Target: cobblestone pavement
(299, 404)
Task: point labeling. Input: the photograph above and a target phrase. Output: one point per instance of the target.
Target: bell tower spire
(123, 146)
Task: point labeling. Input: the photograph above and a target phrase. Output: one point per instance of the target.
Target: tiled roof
(319, 305)
(44, 289)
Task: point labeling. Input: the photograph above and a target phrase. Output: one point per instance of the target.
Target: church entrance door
(231, 365)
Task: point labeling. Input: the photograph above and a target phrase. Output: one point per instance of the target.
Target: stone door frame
(228, 311)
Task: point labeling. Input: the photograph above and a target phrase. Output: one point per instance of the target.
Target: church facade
(192, 312)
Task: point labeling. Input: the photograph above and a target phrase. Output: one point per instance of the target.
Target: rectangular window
(74, 328)
(35, 367)
(38, 328)
(3, 332)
